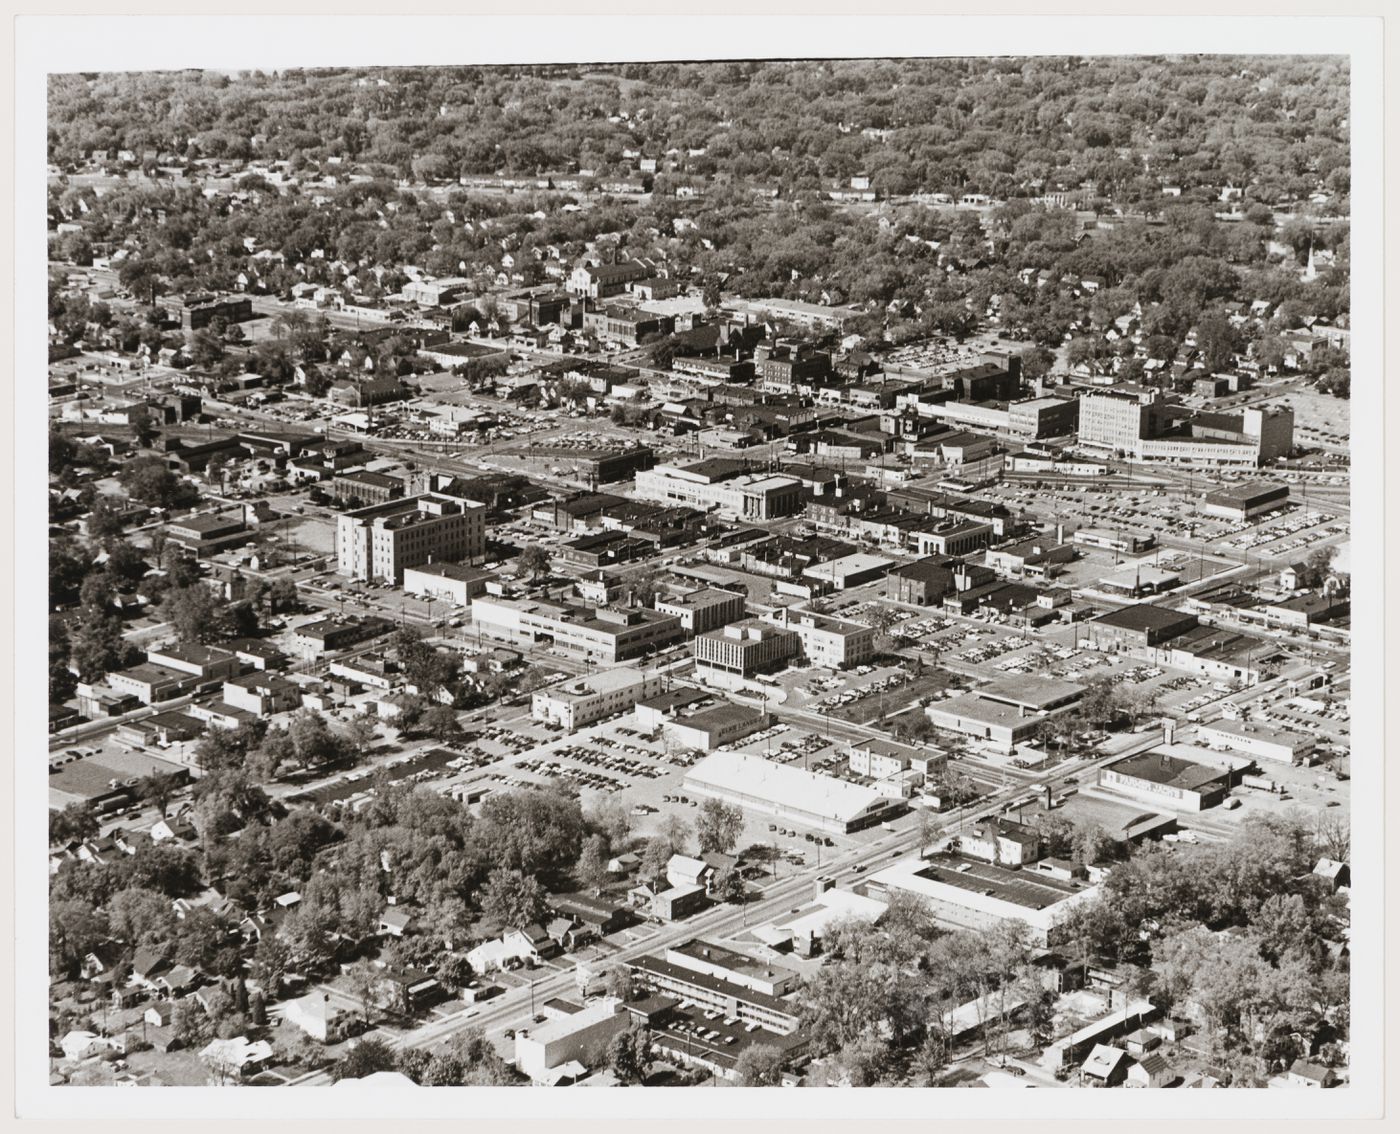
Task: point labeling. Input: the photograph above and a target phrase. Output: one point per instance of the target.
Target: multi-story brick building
(379, 542)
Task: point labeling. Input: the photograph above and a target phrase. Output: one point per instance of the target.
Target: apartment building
(381, 541)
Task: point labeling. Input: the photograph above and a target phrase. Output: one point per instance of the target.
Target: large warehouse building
(807, 799)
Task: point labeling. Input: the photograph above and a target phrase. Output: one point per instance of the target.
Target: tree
(534, 561)
(282, 594)
(157, 788)
(655, 858)
(592, 868)
(147, 480)
(193, 612)
(365, 982)
(629, 1055)
(718, 827)
(440, 722)
(368, 1057)
(77, 821)
(512, 899)
(760, 1065)
(270, 961)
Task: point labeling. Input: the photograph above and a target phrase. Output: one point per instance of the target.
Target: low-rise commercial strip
(602, 634)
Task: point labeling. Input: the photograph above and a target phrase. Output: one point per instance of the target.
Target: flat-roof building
(564, 1046)
(702, 610)
(1141, 625)
(380, 542)
(997, 723)
(450, 582)
(724, 486)
(1259, 740)
(737, 653)
(826, 641)
(968, 893)
(1246, 500)
(602, 634)
(1162, 779)
(582, 701)
(806, 799)
(711, 728)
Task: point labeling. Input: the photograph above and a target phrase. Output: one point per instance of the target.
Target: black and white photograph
(769, 568)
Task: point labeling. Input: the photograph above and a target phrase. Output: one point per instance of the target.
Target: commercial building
(209, 531)
(441, 292)
(882, 759)
(262, 694)
(703, 610)
(584, 700)
(716, 994)
(741, 651)
(1136, 422)
(711, 728)
(803, 929)
(208, 663)
(150, 683)
(954, 537)
(1120, 418)
(723, 963)
(563, 1047)
(1258, 740)
(1001, 725)
(449, 582)
(380, 542)
(626, 325)
(826, 641)
(923, 583)
(848, 571)
(790, 794)
(723, 486)
(1141, 626)
(1245, 501)
(1165, 780)
(968, 893)
(602, 634)
(366, 487)
(812, 316)
(201, 310)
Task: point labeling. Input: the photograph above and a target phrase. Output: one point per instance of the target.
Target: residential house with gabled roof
(1106, 1066)
(1151, 1070)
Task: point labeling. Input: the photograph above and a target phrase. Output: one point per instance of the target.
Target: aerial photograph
(773, 573)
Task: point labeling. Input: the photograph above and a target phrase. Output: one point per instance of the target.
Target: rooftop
(795, 788)
(1170, 771)
(981, 709)
(1146, 616)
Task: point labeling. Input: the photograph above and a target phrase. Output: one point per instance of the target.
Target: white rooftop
(792, 787)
